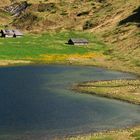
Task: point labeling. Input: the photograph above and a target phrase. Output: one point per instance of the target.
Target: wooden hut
(11, 33)
(77, 41)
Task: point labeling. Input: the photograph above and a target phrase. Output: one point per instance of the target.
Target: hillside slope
(4, 2)
(117, 22)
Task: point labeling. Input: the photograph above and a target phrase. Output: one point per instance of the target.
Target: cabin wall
(2, 34)
(70, 42)
(9, 36)
(80, 43)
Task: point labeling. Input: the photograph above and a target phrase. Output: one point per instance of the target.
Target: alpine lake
(37, 102)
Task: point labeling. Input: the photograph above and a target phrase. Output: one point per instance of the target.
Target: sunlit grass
(34, 46)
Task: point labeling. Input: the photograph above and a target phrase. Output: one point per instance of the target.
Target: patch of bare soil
(13, 62)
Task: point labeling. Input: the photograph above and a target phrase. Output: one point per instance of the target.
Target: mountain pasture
(33, 47)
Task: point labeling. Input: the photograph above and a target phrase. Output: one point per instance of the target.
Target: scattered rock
(17, 8)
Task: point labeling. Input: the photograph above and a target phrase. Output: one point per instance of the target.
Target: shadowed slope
(135, 17)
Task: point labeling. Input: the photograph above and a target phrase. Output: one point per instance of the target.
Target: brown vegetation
(126, 90)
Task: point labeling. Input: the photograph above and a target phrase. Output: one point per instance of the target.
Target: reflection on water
(37, 99)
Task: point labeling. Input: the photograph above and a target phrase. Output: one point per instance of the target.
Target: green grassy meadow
(33, 46)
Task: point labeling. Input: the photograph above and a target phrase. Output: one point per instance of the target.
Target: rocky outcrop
(17, 8)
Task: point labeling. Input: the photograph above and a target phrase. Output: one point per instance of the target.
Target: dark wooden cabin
(78, 41)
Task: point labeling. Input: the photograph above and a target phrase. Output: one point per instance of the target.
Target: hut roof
(79, 40)
(17, 32)
(8, 32)
(12, 32)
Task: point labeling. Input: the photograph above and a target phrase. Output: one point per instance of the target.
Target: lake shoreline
(114, 134)
(90, 88)
(8, 63)
(97, 90)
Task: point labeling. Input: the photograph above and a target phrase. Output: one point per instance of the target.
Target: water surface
(37, 100)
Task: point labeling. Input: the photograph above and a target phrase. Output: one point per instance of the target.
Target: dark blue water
(37, 100)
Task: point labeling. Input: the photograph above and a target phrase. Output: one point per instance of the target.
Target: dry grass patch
(13, 62)
(127, 134)
(126, 90)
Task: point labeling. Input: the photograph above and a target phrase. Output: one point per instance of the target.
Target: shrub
(83, 13)
(43, 7)
(64, 13)
(88, 25)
